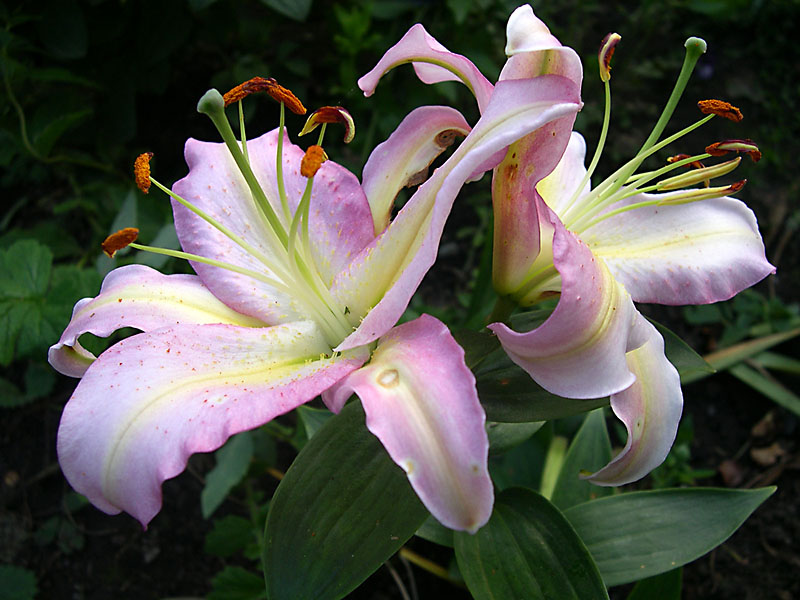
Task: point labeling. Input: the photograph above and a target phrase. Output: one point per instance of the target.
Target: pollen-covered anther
(686, 196)
(119, 240)
(607, 47)
(331, 114)
(695, 164)
(312, 161)
(141, 171)
(698, 175)
(721, 109)
(748, 147)
(268, 85)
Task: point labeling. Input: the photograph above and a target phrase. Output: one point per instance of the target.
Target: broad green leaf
(17, 583)
(640, 534)
(24, 277)
(341, 511)
(778, 362)
(727, 357)
(229, 535)
(127, 216)
(233, 460)
(680, 354)
(10, 395)
(63, 30)
(553, 461)
(527, 550)
(45, 139)
(294, 9)
(505, 436)
(666, 586)
(590, 450)
(313, 419)
(165, 238)
(435, 532)
(236, 583)
(771, 388)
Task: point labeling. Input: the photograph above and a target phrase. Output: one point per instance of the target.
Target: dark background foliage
(89, 84)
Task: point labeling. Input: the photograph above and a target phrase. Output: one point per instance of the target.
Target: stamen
(698, 175)
(695, 164)
(312, 161)
(141, 171)
(268, 85)
(607, 47)
(701, 194)
(331, 114)
(119, 240)
(720, 108)
(746, 146)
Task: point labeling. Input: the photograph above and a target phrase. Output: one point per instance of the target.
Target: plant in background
(302, 275)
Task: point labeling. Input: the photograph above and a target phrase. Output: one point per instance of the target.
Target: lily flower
(297, 294)
(599, 250)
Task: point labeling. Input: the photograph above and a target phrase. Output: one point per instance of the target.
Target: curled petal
(693, 253)
(579, 351)
(516, 218)
(432, 62)
(534, 51)
(421, 402)
(140, 297)
(153, 399)
(380, 281)
(650, 408)
(559, 186)
(422, 136)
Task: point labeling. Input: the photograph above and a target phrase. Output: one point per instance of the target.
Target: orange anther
(331, 114)
(696, 164)
(720, 108)
(607, 47)
(736, 186)
(268, 85)
(141, 171)
(748, 147)
(312, 161)
(119, 240)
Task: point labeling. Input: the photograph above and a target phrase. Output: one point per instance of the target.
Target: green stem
(503, 307)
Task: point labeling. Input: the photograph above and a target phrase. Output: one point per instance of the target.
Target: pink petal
(579, 351)
(341, 223)
(379, 282)
(534, 51)
(140, 297)
(153, 399)
(693, 253)
(650, 408)
(559, 186)
(421, 402)
(432, 62)
(516, 218)
(422, 136)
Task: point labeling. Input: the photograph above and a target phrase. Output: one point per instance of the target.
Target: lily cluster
(302, 274)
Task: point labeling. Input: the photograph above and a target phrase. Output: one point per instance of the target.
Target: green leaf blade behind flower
(340, 512)
(687, 523)
(527, 550)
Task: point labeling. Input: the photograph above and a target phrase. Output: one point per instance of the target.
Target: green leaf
(341, 511)
(640, 534)
(666, 586)
(229, 535)
(294, 9)
(771, 388)
(236, 583)
(233, 460)
(24, 276)
(680, 354)
(778, 362)
(62, 29)
(45, 139)
(509, 395)
(505, 436)
(17, 583)
(527, 550)
(313, 419)
(590, 450)
(727, 357)
(10, 395)
(435, 532)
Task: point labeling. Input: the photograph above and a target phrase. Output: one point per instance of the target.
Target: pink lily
(595, 343)
(297, 294)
